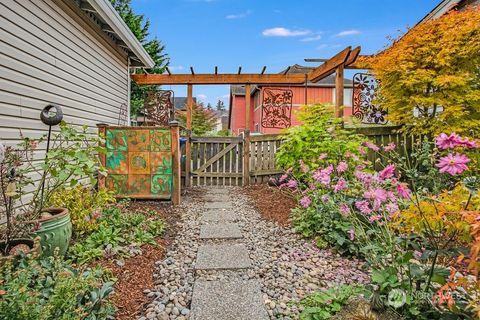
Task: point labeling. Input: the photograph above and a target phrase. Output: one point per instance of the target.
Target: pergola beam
(221, 78)
(329, 66)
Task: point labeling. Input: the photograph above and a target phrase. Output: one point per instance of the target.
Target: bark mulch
(272, 203)
(136, 274)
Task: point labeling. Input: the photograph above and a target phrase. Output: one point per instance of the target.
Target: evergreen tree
(209, 106)
(203, 120)
(140, 28)
(220, 106)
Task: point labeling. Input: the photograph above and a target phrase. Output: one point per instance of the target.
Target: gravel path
(286, 266)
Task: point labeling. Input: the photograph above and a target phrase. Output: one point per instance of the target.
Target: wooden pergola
(344, 59)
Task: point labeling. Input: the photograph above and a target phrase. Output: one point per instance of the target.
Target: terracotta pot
(5, 255)
(55, 231)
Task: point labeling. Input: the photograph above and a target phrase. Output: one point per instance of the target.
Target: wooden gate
(221, 160)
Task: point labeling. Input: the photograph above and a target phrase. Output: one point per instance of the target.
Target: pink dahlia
(292, 184)
(453, 163)
(403, 191)
(378, 194)
(305, 201)
(387, 172)
(362, 205)
(341, 185)
(342, 167)
(444, 141)
(470, 144)
(371, 146)
(389, 147)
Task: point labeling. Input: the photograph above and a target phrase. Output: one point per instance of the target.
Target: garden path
(226, 262)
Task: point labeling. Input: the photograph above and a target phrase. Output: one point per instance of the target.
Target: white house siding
(48, 55)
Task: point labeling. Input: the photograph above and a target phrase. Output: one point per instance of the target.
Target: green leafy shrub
(85, 206)
(319, 133)
(50, 288)
(325, 304)
(121, 232)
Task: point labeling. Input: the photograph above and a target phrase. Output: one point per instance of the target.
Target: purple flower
(351, 234)
(443, 141)
(292, 184)
(453, 164)
(342, 167)
(389, 147)
(363, 177)
(305, 201)
(362, 205)
(371, 146)
(341, 185)
(387, 172)
(470, 144)
(283, 178)
(344, 209)
(391, 207)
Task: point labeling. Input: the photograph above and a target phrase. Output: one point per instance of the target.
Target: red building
(286, 100)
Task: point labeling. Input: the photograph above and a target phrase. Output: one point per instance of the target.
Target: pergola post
(246, 139)
(339, 86)
(188, 146)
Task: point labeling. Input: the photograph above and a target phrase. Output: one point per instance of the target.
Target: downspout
(129, 87)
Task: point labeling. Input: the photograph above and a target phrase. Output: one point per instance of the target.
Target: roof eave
(113, 19)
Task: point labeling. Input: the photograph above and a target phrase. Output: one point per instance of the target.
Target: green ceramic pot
(55, 231)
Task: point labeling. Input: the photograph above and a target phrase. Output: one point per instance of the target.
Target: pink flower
(305, 201)
(391, 207)
(417, 254)
(289, 170)
(342, 167)
(328, 170)
(443, 141)
(387, 172)
(389, 147)
(363, 177)
(375, 218)
(376, 194)
(470, 144)
(362, 151)
(371, 146)
(341, 185)
(453, 163)
(403, 191)
(303, 166)
(344, 209)
(323, 156)
(283, 178)
(325, 198)
(362, 205)
(292, 184)
(351, 234)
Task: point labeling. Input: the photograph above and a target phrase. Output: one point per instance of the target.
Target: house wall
(315, 95)
(48, 54)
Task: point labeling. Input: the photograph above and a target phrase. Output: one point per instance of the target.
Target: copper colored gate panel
(277, 108)
(139, 162)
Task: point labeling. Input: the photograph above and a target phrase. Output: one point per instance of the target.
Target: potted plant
(10, 160)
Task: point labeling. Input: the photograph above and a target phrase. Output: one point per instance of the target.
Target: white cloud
(202, 96)
(176, 68)
(284, 32)
(239, 15)
(348, 33)
(313, 38)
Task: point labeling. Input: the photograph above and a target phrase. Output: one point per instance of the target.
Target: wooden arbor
(343, 59)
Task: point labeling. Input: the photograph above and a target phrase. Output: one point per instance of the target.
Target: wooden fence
(221, 160)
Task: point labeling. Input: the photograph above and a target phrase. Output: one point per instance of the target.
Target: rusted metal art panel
(139, 162)
(277, 108)
(364, 88)
(158, 107)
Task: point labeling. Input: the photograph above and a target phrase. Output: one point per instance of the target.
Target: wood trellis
(342, 60)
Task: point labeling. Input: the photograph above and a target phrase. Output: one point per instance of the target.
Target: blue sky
(254, 33)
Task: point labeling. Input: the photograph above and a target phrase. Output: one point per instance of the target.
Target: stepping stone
(218, 205)
(232, 299)
(220, 231)
(222, 256)
(218, 216)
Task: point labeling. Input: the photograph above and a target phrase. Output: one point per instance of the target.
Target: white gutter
(129, 90)
(113, 19)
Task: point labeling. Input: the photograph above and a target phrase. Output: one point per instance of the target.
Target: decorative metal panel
(364, 88)
(122, 115)
(277, 108)
(139, 162)
(158, 107)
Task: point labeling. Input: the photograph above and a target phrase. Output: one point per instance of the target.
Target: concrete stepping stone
(218, 216)
(219, 205)
(232, 299)
(220, 231)
(222, 256)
